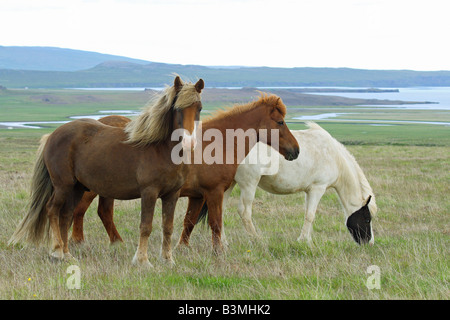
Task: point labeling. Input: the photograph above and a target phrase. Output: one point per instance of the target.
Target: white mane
(347, 163)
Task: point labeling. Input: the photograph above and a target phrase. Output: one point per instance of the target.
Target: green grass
(408, 167)
(398, 134)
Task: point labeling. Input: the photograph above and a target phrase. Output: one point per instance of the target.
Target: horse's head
(287, 145)
(359, 223)
(186, 106)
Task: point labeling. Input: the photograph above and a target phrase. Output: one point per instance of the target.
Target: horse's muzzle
(292, 154)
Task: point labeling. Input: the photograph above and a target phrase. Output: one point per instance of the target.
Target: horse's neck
(348, 188)
(243, 122)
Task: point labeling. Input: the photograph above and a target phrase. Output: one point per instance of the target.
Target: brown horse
(105, 205)
(206, 181)
(114, 163)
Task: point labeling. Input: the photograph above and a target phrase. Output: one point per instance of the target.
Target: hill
(113, 71)
(54, 59)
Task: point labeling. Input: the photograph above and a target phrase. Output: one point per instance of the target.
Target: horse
(323, 163)
(207, 180)
(135, 162)
(105, 205)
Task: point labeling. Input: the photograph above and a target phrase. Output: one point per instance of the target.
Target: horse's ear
(199, 85)
(367, 200)
(178, 83)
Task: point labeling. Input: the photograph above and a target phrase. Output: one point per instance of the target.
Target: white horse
(323, 163)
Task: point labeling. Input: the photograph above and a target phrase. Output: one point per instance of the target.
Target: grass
(408, 167)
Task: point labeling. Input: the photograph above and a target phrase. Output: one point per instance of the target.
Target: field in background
(407, 165)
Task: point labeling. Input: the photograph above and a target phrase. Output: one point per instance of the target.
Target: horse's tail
(203, 216)
(34, 227)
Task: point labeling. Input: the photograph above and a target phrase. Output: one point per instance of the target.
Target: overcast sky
(369, 34)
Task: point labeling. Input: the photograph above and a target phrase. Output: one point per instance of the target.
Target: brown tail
(34, 227)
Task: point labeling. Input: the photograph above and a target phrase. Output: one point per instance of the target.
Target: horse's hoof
(77, 241)
(70, 258)
(142, 263)
(303, 239)
(182, 246)
(219, 250)
(57, 255)
(169, 262)
(115, 243)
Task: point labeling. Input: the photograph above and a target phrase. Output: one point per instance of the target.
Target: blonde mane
(264, 99)
(153, 124)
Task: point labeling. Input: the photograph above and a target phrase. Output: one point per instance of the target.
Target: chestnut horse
(105, 205)
(207, 180)
(115, 163)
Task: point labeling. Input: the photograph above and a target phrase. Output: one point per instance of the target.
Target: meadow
(407, 165)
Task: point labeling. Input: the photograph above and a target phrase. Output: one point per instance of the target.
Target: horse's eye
(280, 123)
(367, 221)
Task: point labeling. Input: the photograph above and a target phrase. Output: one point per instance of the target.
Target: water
(441, 95)
(328, 116)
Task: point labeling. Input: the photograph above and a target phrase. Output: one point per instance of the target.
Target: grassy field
(407, 165)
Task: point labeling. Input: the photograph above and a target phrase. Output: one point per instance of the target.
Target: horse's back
(317, 164)
(77, 141)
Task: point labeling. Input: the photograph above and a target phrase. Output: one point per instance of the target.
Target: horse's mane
(347, 159)
(264, 99)
(153, 124)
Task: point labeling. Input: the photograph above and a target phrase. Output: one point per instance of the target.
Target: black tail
(203, 216)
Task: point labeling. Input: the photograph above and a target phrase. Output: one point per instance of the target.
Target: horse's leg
(190, 219)
(105, 211)
(226, 196)
(168, 210)
(214, 201)
(54, 206)
(248, 189)
(147, 209)
(78, 216)
(312, 200)
(66, 218)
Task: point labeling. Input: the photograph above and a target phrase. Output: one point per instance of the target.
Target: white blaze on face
(189, 141)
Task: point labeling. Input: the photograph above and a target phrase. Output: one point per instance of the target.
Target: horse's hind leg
(226, 196)
(214, 201)
(190, 219)
(78, 216)
(106, 213)
(56, 219)
(312, 200)
(66, 218)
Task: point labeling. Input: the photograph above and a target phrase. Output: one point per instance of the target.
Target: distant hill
(54, 59)
(113, 71)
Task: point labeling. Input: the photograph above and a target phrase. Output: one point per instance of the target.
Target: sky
(366, 34)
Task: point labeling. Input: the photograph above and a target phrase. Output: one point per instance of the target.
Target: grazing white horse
(323, 163)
